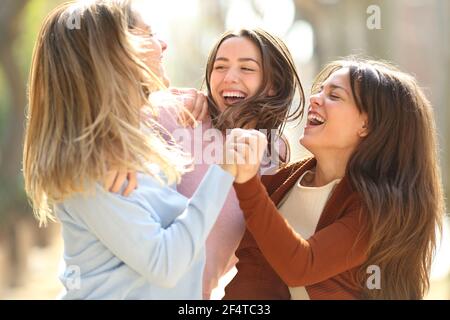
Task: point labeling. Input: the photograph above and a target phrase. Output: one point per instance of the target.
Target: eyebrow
(334, 86)
(240, 60)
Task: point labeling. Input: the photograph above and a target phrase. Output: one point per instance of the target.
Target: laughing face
(152, 48)
(237, 72)
(334, 121)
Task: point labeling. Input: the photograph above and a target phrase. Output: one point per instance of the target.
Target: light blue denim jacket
(150, 245)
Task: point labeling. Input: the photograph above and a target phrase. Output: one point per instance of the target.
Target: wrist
(231, 169)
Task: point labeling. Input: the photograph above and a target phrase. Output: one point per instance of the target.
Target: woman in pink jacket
(251, 82)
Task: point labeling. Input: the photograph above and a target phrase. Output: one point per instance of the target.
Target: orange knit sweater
(272, 256)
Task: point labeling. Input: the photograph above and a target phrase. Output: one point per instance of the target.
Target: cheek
(150, 48)
(214, 82)
(254, 83)
(344, 131)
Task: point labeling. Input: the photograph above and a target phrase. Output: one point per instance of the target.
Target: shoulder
(95, 196)
(346, 203)
(289, 168)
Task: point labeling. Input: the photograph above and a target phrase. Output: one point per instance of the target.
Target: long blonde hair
(396, 171)
(88, 90)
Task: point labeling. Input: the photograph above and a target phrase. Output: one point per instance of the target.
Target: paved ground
(42, 282)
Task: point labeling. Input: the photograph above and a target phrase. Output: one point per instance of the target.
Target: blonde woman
(89, 83)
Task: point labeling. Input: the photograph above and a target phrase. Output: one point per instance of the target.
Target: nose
(231, 76)
(163, 45)
(315, 99)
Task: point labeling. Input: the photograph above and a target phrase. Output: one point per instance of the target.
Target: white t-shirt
(302, 208)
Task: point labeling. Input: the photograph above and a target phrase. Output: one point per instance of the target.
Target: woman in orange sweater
(359, 220)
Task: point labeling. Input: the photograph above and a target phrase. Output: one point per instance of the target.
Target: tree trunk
(12, 142)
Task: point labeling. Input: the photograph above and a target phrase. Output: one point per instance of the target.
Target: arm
(222, 243)
(131, 230)
(255, 278)
(300, 262)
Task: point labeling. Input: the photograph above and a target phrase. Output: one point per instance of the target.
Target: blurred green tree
(11, 185)
(19, 24)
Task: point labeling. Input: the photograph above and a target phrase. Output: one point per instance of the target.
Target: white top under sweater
(302, 208)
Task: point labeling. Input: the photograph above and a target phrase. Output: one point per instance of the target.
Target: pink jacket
(229, 228)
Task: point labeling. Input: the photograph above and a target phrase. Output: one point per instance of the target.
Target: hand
(244, 150)
(195, 105)
(230, 155)
(115, 179)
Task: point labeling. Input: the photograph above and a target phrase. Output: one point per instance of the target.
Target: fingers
(132, 183)
(109, 180)
(118, 182)
(237, 153)
(176, 91)
(240, 155)
(204, 107)
(240, 159)
(116, 178)
(194, 103)
(251, 143)
(196, 100)
(244, 150)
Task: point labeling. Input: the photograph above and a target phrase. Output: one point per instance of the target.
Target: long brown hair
(270, 111)
(88, 89)
(395, 169)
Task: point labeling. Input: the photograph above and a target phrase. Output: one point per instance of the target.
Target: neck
(329, 167)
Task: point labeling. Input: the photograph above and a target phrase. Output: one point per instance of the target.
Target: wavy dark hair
(279, 74)
(395, 169)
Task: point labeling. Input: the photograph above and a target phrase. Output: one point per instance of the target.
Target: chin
(307, 143)
(303, 139)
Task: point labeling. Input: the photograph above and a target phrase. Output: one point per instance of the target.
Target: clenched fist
(195, 105)
(244, 150)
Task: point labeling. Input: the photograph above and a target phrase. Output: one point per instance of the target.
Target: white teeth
(316, 117)
(233, 94)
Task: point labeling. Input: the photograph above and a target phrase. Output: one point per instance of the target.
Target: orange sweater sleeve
(299, 262)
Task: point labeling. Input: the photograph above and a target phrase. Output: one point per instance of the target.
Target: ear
(364, 129)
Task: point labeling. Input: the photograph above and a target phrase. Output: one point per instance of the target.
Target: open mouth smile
(315, 119)
(232, 97)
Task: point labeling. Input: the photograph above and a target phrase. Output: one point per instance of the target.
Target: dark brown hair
(279, 74)
(395, 169)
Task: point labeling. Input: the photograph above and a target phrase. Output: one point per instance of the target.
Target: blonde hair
(88, 90)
